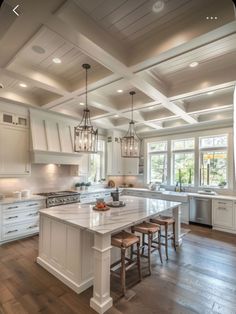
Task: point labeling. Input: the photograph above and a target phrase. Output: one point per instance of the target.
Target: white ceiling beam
(72, 30)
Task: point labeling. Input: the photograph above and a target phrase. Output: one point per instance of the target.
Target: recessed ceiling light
(56, 60)
(194, 64)
(22, 85)
(119, 90)
(210, 93)
(116, 116)
(81, 103)
(158, 6)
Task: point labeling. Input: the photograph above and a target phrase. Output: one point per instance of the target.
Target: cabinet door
(118, 168)
(223, 215)
(109, 158)
(14, 143)
(131, 166)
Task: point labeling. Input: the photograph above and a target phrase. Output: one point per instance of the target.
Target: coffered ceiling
(147, 46)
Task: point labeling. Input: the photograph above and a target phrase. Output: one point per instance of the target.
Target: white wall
(44, 178)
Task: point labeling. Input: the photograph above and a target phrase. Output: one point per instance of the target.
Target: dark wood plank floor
(199, 278)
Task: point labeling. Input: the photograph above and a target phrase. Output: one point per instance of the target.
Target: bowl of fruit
(101, 205)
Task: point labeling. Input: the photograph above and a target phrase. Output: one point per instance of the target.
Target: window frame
(154, 153)
(200, 132)
(214, 149)
(182, 151)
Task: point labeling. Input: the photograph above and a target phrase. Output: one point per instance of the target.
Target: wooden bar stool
(149, 229)
(125, 240)
(166, 222)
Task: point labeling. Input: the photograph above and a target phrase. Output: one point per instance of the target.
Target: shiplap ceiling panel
(55, 46)
(169, 94)
(203, 54)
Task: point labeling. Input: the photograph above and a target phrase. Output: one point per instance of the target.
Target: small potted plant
(87, 185)
(82, 186)
(78, 186)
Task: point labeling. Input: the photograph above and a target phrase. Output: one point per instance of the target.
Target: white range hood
(52, 137)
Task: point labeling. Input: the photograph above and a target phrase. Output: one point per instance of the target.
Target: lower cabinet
(223, 214)
(19, 219)
(92, 197)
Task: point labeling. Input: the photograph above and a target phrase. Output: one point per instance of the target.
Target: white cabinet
(115, 164)
(223, 214)
(131, 166)
(19, 219)
(14, 151)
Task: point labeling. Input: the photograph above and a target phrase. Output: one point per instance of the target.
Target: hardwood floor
(199, 278)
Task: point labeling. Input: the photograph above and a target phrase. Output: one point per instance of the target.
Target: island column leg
(101, 300)
(176, 214)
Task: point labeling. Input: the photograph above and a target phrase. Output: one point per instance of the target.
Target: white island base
(81, 257)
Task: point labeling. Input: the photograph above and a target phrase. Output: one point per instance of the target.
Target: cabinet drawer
(223, 204)
(17, 230)
(23, 205)
(11, 217)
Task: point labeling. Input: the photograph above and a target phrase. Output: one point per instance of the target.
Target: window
(183, 161)
(214, 161)
(97, 163)
(157, 161)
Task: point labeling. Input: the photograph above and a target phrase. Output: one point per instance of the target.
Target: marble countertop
(83, 216)
(186, 194)
(10, 200)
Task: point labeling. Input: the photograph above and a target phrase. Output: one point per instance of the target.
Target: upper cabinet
(14, 145)
(117, 165)
(52, 138)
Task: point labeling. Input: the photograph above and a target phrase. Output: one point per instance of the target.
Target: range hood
(52, 137)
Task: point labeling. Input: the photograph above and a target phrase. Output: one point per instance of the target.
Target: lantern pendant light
(86, 137)
(130, 143)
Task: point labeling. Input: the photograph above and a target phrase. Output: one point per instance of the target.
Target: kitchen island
(75, 242)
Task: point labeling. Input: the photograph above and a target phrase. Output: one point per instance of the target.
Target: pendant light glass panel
(86, 137)
(130, 143)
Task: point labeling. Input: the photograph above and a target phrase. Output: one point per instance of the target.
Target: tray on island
(121, 204)
(103, 209)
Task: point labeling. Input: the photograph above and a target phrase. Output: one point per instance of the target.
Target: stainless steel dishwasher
(201, 210)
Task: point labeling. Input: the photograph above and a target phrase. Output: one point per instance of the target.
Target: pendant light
(130, 143)
(86, 137)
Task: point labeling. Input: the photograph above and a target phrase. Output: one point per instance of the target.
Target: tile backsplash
(43, 178)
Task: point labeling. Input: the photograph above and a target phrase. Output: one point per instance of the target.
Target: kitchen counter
(83, 216)
(75, 242)
(11, 200)
(185, 194)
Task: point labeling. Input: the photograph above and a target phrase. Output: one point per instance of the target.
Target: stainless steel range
(61, 198)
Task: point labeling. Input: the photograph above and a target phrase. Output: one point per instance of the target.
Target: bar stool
(149, 229)
(166, 222)
(123, 241)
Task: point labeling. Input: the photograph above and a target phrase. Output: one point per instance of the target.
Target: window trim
(196, 134)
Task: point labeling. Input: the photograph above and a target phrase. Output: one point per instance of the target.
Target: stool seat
(163, 220)
(124, 239)
(146, 227)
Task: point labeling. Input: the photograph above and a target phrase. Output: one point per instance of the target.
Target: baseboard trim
(77, 287)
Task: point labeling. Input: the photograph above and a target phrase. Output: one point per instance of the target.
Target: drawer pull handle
(33, 214)
(223, 203)
(31, 227)
(12, 217)
(11, 231)
(222, 208)
(12, 207)
(34, 204)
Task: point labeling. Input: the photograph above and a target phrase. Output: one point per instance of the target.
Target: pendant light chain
(86, 137)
